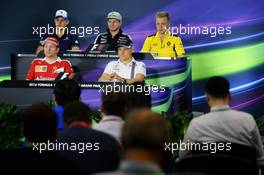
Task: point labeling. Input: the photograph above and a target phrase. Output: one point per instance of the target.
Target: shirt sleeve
(68, 67)
(147, 45)
(75, 41)
(257, 142)
(97, 39)
(42, 40)
(108, 68)
(141, 68)
(179, 49)
(31, 71)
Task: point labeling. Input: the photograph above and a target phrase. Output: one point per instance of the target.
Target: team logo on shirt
(103, 41)
(41, 69)
(58, 70)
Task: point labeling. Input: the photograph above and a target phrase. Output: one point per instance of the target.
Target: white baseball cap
(61, 13)
(114, 15)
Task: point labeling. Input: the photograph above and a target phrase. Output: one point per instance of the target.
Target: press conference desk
(24, 93)
(175, 75)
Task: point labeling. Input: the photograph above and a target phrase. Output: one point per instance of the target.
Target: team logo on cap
(61, 13)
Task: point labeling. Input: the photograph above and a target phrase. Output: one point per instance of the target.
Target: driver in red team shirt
(51, 65)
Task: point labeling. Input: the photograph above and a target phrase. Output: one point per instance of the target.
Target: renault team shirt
(171, 46)
(41, 69)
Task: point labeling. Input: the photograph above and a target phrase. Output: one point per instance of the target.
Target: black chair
(240, 159)
(237, 150)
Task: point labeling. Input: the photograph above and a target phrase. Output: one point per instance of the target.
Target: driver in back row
(113, 35)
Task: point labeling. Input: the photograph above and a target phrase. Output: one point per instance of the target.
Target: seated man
(114, 33)
(223, 124)
(39, 124)
(51, 65)
(163, 43)
(143, 137)
(113, 108)
(95, 151)
(126, 69)
(67, 40)
(65, 91)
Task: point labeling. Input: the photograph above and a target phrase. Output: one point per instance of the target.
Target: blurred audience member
(65, 91)
(113, 108)
(143, 138)
(223, 124)
(94, 151)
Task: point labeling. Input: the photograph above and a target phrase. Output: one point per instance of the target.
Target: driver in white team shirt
(126, 68)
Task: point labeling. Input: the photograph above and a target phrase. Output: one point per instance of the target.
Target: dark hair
(66, 91)
(40, 123)
(77, 111)
(114, 103)
(137, 100)
(145, 130)
(217, 87)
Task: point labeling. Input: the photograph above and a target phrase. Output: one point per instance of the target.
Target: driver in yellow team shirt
(163, 43)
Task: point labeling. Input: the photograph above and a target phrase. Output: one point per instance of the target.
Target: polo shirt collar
(138, 167)
(119, 33)
(167, 34)
(220, 108)
(58, 59)
(133, 60)
(108, 118)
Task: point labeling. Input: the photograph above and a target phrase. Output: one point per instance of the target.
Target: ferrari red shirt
(41, 69)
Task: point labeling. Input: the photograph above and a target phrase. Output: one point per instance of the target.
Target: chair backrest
(240, 159)
(216, 164)
(237, 150)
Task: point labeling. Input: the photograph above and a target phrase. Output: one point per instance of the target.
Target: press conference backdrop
(226, 38)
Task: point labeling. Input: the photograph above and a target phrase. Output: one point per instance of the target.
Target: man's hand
(115, 76)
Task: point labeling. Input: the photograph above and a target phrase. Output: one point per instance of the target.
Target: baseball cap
(125, 42)
(52, 40)
(61, 13)
(114, 15)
